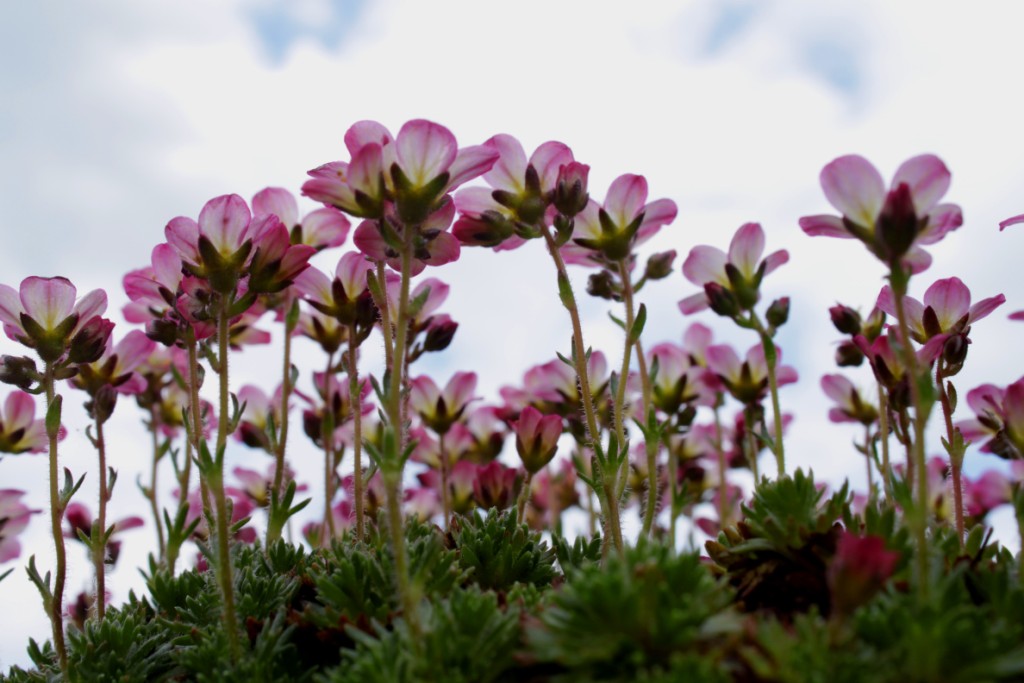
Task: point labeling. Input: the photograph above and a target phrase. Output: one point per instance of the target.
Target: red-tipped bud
(659, 265)
(845, 319)
(571, 188)
(88, 344)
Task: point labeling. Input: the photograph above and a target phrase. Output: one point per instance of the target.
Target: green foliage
(500, 553)
(127, 646)
(633, 615)
(582, 553)
(776, 558)
(466, 638)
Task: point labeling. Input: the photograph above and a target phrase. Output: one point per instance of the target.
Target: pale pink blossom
(946, 309)
(747, 379)
(20, 432)
(611, 231)
(740, 271)
(536, 438)
(850, 406)
(44, 314)
(438, 408)
(14, 517)
(319, 229)
(892, 223)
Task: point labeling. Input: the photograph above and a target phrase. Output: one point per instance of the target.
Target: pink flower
(80, 521)
(746, 380)
(946, 309)
(887, 364)
(116, 367)
(850, 407)
(626, 220)
(495, 486)
(345, 297)
(678, 382)
(20, 432)
(987, 492)
(433, 291)
(521, 191)
(276, 262)
(319, 229)
(259, 409)
(405, 178)
(999, 415)
(44, 315)
(256, 487)
(153, 290)
(738, 273)
(13, 519)
(536, 438)
(892, 224)
(860, 568)
(219, 246)
(439, 409)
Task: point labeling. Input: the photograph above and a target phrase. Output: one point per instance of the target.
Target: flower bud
(571, 189)
(778, 313)
(102, 404)
(162, 331)
(602, 285)
(721, 300)
(859, 570)
(440, 333)
(954, 350)
(848, 355)
(897, 224)
(21, 372)
(88, 344)
(659, 265)
(495, 486)
(536, 438)
(845, 319)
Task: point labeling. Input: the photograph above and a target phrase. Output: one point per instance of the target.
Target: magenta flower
(20, 432)
(117, 366)
(439, 409)
(219, 246)
(45, 316)
(256, 486)
(495, 486)
(999, 416)
(887, 365)
(850, 407)
(405, 178)
(678, 382)
(436, 293)
(319, 229)
(987, 492)
(536, 438)
(1012, 220)
(80, 521)
(860, 568)
(893, 223)
(460, 484)
(522, 191)
(946, 309)
(276, 262)
(730, 278)
(625, 220)
(153, 290)
(13, 519)
(746, 380)
(346, 297)
(259, 409)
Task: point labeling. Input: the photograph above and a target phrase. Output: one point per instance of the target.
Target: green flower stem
(883, 436)
(771, 360)
(723, 470)
(220, 499)
(446, 501)
(99, 550)
(750, 443)
(956, 463)
(274, 533)
(355, 401)
(524, 497)
(392, 471)
(385, 317)
(609, 504)
(327, 436)
(920, 517)
(151, 491)
(56, 520)
(867, 457)
(195, 433)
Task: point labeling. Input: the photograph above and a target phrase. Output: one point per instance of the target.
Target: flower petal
(1012, 220)
(469, 163)
(746, 248)
(182, 233)
(928, 179)
(774, 260)
(547, 159)
(48, 300)
(19, 412)
(855, 187)
(324, 228)
(838, 388)
(984, 307)
(706, 264)
(277, 201)
(224, 221)
(10, 307)
(625, 198)
(424, 150)
(509, 171)
(950, 299)
(362, 133)
(825, 226)
(693, 304)
(656, 214)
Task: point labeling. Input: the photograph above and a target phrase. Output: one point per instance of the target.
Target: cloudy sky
(116, 116)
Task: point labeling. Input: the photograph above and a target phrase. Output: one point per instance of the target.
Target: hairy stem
(99, 551)
(56, 520)
(524, 497)
(956, 463)
(273, 532)
(883, 437)
(154, 507)
(771, 361)
(327, 436)
(355, 400)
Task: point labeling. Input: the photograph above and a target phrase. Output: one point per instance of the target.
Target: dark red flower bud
(845, 319)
